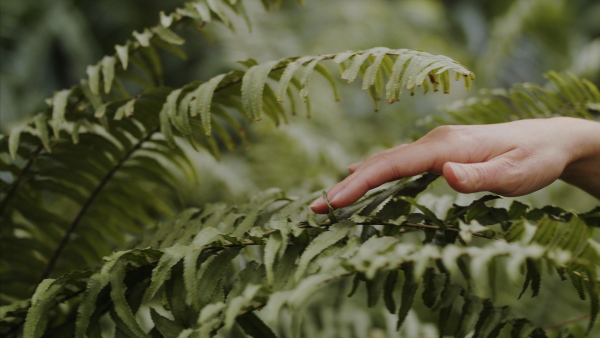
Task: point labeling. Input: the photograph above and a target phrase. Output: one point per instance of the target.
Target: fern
(325, 259)
(566, 95)
(182, 115)
(90, 177)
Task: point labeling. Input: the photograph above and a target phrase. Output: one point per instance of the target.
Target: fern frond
(122, 134)
(566, 95)
(192, 267)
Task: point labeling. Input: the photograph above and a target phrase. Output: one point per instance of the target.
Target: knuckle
(448, 133)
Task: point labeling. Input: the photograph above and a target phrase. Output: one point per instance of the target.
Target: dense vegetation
(115, 221)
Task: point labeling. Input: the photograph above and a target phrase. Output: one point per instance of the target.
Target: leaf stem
(567, 322)
(19, 179)
(89, 202)
(27, 167)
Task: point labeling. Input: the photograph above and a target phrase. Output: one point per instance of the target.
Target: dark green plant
(92, 240)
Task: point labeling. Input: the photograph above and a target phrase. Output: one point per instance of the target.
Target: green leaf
(517, 210)
(123, 54)
(203, 11)
(485, 317)
(95, 284)
(274, 245)
(108, 72)
(174, 254)
(253, 84)
(125, 110)
(253, 273)
(352, 71)
(190, 274)
(215, 6)
(306, 77)
(591, 286)
(120, 304)
(409, 290)
(463, 210)
(211, 272)
(41, 301)
(432, 217)
(388, 291)
(432, 286)
(320, 243)
(287, 75)
(520, 328)
(371, 72)
(59, 105)
(165, 124)
(41, 125)
(258, 204)
(445, 78)
(93, 72)
(375, 288)
(13, 141)
(237, 304)
(203, 101)
(143, 38)
(101, 110)
(168, 35)
(393, 88)
(341, 57)
(447, 298)
(254, 326)
(167, 327)
(468, 314)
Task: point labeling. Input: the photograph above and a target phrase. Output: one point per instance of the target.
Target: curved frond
(566, 95)
(190, 270)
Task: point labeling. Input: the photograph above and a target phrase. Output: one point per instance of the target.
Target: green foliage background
(47, 45)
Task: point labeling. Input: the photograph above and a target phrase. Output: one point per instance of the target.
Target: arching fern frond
(83, 153)
(128, 150)
(566, 95)
(191, 262)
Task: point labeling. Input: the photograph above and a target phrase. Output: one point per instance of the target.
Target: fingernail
(460, 173)
(316, 202)
(357, 164)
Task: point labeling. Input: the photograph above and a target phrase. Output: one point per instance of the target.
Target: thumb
(498, 176)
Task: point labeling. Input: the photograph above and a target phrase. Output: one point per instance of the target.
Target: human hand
(510, 159)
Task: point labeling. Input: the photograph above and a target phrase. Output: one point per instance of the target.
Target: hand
(510, 159)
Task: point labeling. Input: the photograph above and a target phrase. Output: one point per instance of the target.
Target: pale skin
(509, 159)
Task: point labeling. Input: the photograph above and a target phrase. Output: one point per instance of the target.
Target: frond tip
(404, 68)
(564, 95)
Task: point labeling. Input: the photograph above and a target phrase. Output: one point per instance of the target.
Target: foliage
(86, 180)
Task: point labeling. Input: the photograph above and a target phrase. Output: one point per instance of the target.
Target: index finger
(404, 161)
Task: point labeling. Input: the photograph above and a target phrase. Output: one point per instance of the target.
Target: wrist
(583, 167)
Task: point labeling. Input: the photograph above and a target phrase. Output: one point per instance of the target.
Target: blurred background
(45, 45)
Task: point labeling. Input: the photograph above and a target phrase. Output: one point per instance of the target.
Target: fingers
(353, 167)
(509, 159)
(374, 171)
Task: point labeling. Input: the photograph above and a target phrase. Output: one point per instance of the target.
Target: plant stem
(567, 322)
(19, 179)
(23, 172)
(89, 202)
